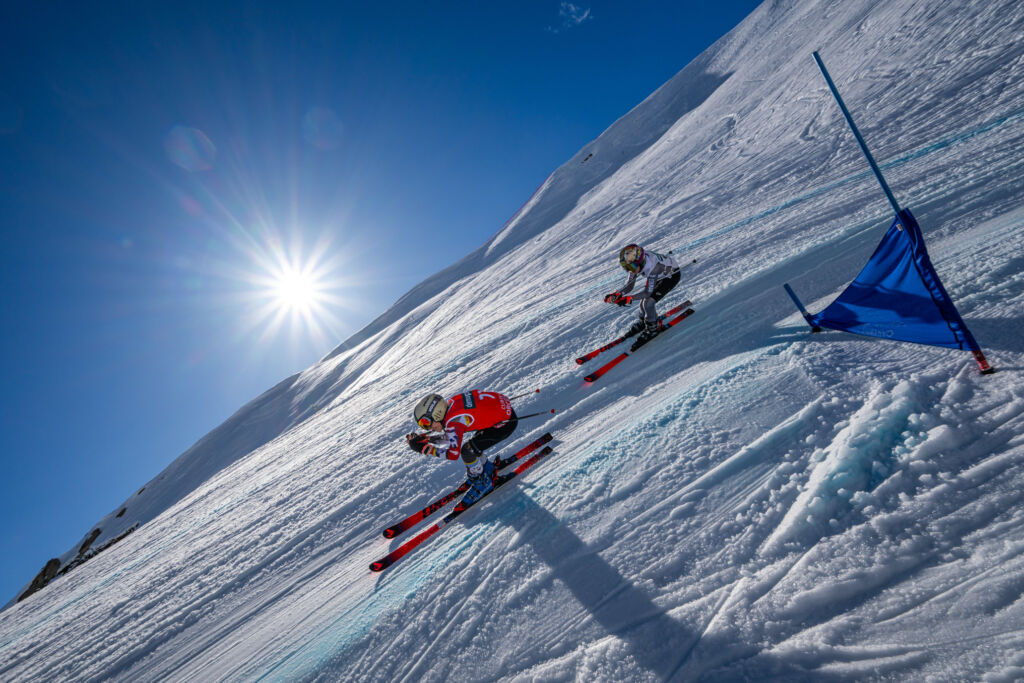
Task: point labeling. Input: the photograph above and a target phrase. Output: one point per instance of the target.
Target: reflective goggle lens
(629, 259)
(425, 422)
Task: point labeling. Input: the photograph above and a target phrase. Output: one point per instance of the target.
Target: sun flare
(295, 290)
(298, 292)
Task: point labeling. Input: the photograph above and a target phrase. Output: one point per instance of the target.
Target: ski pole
(535, 391)
(543, 412)
(523, 417)
(688, 263)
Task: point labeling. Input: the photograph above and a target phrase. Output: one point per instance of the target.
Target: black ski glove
(417, 441)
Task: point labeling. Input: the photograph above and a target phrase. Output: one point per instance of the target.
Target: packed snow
(740, 499)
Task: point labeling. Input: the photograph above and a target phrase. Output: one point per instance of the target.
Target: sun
(296, 290)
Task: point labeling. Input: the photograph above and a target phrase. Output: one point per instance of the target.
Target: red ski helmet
(632, 257)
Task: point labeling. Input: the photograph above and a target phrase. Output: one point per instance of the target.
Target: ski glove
(416, 441)
(421, 444)
(617, 298)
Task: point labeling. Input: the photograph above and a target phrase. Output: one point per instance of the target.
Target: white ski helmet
(431, 409)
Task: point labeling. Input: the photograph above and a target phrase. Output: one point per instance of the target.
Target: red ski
(593, 354)
(417, 517)
(597, 374)
(404, 549)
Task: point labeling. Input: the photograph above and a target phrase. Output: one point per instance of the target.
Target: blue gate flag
(898, 295)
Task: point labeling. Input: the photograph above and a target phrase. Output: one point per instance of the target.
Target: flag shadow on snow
(656, 641)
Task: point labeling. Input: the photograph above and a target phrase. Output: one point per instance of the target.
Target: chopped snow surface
(739, 500)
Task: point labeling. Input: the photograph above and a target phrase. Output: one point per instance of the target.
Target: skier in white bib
(662, 275)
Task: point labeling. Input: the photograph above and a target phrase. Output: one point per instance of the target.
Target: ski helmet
(431, 409)
(632, 257)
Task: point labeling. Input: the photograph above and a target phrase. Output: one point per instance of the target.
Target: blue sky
(166, 168)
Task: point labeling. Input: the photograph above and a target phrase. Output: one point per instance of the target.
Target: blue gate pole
(856, 134)
(800, 307)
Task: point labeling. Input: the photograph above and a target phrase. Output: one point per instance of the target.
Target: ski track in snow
(739, 500)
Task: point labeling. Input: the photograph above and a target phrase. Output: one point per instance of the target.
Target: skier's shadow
(657, 642)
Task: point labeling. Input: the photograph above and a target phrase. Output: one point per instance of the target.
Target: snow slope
(738, 500)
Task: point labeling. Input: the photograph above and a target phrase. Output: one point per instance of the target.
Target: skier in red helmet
(662, 275)
(486, 413)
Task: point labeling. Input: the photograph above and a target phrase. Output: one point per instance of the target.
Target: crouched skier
(662, 275)
(486, 413)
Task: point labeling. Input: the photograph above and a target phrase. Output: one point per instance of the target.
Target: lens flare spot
(191, 206)
(321, 128)
(190, 149)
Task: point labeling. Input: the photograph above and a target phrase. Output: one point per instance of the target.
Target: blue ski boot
(479, 485)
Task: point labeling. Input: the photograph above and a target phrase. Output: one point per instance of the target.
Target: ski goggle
(431, 409)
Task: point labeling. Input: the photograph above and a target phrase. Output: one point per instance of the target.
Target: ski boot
(651, 330)
(636, 328)
(479, 484)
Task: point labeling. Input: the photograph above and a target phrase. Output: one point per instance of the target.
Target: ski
(593, 354)
(502, 463)
(417, 517)
(404, 549)
(600, 372)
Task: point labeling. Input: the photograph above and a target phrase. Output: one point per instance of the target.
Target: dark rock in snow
(42, 578)
(88, 542)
